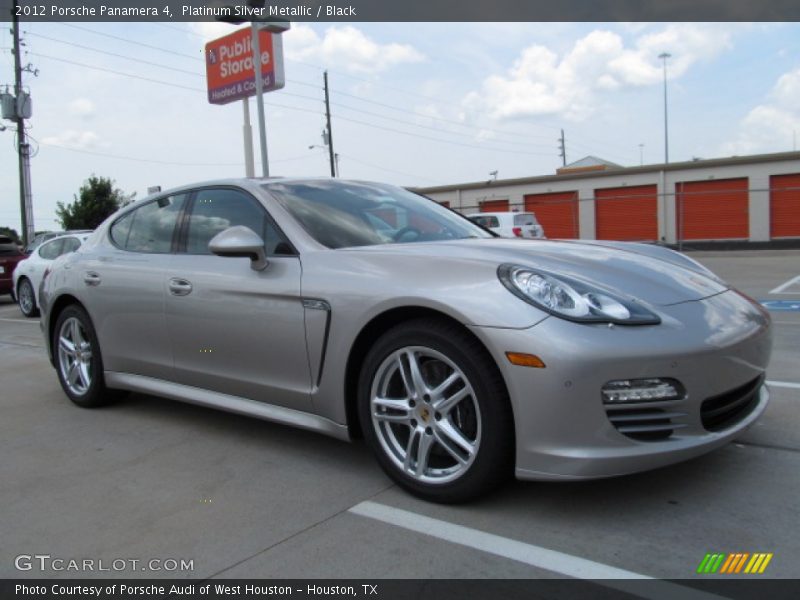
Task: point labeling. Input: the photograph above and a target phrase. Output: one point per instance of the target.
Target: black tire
(444, 348)
(89, 394)
(26, 298)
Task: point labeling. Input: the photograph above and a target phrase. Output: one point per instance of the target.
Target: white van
(510, 224)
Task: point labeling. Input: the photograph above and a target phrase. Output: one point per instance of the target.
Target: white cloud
(771, 125)
(74, 139)
(347, 48)
(82, 107)
(541, 82)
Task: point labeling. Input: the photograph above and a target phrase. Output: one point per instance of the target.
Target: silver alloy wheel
(425, 414)
(75, 356)
(27, 303)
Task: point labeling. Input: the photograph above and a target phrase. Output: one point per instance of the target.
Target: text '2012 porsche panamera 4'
(356, 308)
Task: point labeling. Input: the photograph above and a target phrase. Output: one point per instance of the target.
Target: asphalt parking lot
(150, 478)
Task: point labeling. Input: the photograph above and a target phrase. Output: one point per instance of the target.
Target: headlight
(572, 299)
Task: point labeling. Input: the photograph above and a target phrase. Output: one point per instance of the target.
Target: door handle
(179, 287)
(91, 278)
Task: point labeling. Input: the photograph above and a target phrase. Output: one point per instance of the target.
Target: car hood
(629, 273)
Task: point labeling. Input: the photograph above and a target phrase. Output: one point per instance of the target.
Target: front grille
(643, 423)
(726, 410)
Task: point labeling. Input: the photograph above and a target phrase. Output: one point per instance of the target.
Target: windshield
(342, 215)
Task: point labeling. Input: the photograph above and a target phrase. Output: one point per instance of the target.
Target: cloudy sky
(412, 104)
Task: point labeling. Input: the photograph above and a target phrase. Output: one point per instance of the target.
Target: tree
(96, 200)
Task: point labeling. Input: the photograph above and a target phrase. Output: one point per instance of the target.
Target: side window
(214, 210)
(482, 221)
(51, 250)
(150, 227)
(70, 245)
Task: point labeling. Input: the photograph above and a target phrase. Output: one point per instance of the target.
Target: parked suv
(10, 255)
(510, 224)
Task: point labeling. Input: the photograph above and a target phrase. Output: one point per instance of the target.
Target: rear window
(7, 246)
(150, 227)
(525, 219)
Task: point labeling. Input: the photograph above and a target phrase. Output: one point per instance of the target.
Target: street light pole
(664, 56)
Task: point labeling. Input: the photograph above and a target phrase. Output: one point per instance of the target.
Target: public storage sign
(229, 65)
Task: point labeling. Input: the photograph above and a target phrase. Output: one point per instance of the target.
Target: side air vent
(726, 410)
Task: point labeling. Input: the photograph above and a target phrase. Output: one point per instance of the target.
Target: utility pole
(25, 198)
(664, 56)
(330, 132)
(562, 148)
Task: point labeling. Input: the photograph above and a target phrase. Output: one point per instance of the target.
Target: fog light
(642, 390)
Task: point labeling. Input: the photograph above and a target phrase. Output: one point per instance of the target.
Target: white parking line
(536, 556)
(783, 286)
(35, 322)
(784, 384)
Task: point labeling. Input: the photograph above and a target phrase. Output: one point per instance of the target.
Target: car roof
(249, 183)
(81, 235)
(499, 214)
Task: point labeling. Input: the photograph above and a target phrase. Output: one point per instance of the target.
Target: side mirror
(240, 241)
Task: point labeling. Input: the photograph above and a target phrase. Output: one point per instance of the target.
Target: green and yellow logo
(735, 563)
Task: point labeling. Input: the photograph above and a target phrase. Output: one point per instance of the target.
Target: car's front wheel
(78, 360)
(27, 298)
(434, 409)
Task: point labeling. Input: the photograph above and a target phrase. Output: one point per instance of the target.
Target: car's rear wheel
(78, 360)
(435, 411)
(27, 298)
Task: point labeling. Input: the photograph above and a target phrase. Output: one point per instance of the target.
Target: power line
(141, 160)
(105, 70)
(150, 46)
(366, 164)
(442, 119)
(427, 137)
(169, 83)
(282, 92)
(123, 56)
(135, 43)
(428, 127)
(154, 161)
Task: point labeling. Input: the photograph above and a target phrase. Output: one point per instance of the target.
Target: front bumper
(563, 431)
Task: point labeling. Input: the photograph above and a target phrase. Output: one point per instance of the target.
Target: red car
(10, 255)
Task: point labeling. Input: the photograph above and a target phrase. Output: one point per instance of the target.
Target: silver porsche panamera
(361, 309)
